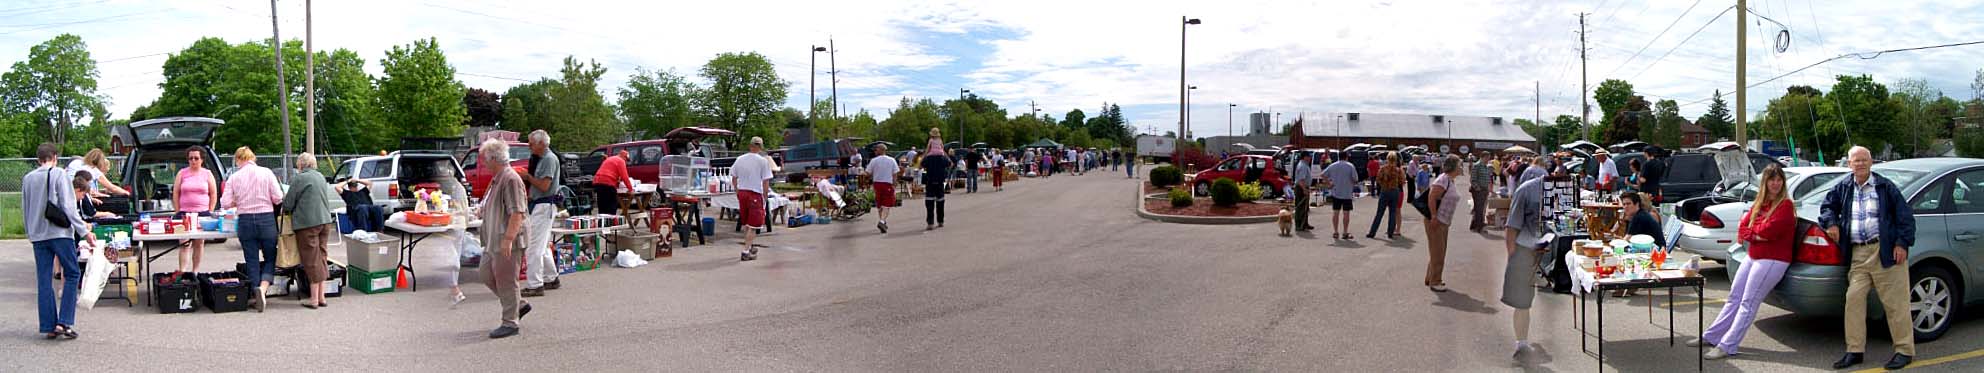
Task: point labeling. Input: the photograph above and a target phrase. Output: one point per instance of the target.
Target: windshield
(1901, 178)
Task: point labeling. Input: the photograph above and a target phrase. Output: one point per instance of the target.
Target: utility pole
(1742, 52)
(1229, 118)
(282, 90)
(309, 85)
(1036, 108)
(1183, 23)
(812, 89)
(1584, 81)
(1539, 103)
(833, 78)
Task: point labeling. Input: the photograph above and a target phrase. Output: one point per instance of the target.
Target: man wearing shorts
(1342, 177)
(752, 174)
(883, 172)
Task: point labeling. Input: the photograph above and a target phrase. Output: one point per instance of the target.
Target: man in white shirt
(1608, 171)
(752, 174)
(884, 171)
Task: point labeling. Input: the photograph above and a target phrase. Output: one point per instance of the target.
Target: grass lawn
(10, 217)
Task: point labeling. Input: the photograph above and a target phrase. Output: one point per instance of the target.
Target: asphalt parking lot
(1054, 274)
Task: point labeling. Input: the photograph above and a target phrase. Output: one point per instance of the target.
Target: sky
(1505, 58)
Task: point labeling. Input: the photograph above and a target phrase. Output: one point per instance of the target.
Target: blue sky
(1459, 57)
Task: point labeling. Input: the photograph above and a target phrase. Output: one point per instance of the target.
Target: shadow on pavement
(705, 265)
(1536, 359)
(1462, 302)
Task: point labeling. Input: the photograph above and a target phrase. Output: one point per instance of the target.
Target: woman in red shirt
(1768, 232)
(606, 182)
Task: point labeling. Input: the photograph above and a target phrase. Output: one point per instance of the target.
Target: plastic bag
(94, 278)
(627, 259)
(469, 245)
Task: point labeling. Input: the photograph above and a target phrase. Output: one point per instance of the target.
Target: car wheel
(1202, 189)
(1932, 301)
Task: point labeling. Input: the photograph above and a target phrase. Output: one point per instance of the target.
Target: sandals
(1438, 288)
(63, 331)
(310, 305)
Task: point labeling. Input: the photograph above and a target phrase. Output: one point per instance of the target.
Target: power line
(492, 76)
(43, 26)
(1865, 56)
(1690, 37)
(1656, 37)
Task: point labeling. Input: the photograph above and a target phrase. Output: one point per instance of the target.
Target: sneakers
(1694, 342)
(533, 292)
(523, 311)
(553, 285)
(457, 301)
(503, 332)
(748, 255)
(883, 226)
(1715, 354)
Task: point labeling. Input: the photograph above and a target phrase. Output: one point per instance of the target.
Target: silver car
(1947, 195)
(1710, 232)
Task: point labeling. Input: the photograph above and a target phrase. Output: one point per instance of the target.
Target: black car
(152, 168)
(1689, 174)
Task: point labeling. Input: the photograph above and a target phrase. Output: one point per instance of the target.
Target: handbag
(1419, 203)
(287, 253)
(50, 210)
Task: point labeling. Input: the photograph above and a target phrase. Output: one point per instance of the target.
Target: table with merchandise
(1608, 270)
(410, 237)
(180, 239)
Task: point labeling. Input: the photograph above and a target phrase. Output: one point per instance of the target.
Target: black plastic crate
(221, 295)
(333, 284)
(181, 296)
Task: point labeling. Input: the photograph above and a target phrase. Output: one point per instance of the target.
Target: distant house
(1443, 133)
(1693, 135)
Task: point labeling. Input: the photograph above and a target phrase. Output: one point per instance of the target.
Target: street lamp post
(1181, 74)
(1188, 106)
(967, 105)
(812, 103)
(1229, 119)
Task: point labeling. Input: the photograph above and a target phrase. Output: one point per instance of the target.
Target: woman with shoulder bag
(1442, 200)
(1769, 230)
(309, 208)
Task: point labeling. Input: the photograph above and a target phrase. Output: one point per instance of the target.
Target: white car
(1710, 231)
(394, 175)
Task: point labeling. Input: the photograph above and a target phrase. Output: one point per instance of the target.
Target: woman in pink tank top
(193, 192)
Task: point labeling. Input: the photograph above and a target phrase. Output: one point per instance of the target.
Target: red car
(478, 180)
(1242, 168)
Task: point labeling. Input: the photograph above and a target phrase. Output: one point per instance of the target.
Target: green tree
(1717, 120)
(1912, 99)
(1567, 129)
(1633, 122)
(235, 83)
(910, 122)
(1075, 120)
(1668, 123)
(1613, 96)
(743, 86)
(419, 93)
(527, 107)
(864, 125)
(655, 102)
(1861, 107)
(1943, 113)
(579, 116)
(1795, 117)
(55, 88)
(347, 106)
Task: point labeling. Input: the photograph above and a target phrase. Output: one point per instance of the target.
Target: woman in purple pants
(1768, 232)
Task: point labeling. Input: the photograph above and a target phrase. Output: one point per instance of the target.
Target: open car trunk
(1736, 170)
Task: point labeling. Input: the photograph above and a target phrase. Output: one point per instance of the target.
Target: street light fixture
(1229, 118)
(812, 103)
(1188, 106)
(1181, 74)
(967, 106)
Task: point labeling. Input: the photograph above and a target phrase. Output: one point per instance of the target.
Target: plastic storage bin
(383, 253)
(370, 282)
(221, 295)
(181, 296)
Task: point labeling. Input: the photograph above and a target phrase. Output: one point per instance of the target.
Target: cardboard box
(640, 243)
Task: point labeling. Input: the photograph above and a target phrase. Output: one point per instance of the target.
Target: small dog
(1286, 218)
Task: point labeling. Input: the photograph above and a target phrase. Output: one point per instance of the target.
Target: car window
(1812, 183)
(1693, 169)
(650, 154)
(468, 161)
(1934, 199)
(345, 170)
(519, 152)
(1229, 165)
(1967, 193)
(374, 169)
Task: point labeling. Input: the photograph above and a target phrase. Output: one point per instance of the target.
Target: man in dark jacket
(1869, 214)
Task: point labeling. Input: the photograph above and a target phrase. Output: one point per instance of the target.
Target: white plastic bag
(94, 278)
(627, 259)
(469, 245)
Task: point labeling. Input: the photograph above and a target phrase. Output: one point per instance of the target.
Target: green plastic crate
(105, 231)
(369, 282)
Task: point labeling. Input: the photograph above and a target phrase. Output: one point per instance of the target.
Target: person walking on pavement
(752, 174)
(1480, 178)
(972, 160)
(883, 173)
(502, 212)
(1524, 239)
(1869, 213)
(54, 236)
(540, 270)
(308, 205)
(1768, 231)
(1342, 180)
(998, 170)
(934, 166)
(1130, 166)
(1301, 179)
(253, 192)
(1391, 182)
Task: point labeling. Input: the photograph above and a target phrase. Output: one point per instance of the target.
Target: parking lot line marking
(1692, 302)
(1935, 361)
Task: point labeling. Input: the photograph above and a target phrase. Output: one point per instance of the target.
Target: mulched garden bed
(1204, 207)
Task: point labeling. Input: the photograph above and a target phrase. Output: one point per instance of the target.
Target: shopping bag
(468, 245)
(627, 259)
(286, 249)
(94, 278)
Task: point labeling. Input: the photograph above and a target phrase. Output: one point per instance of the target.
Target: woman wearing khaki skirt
(309, 206)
